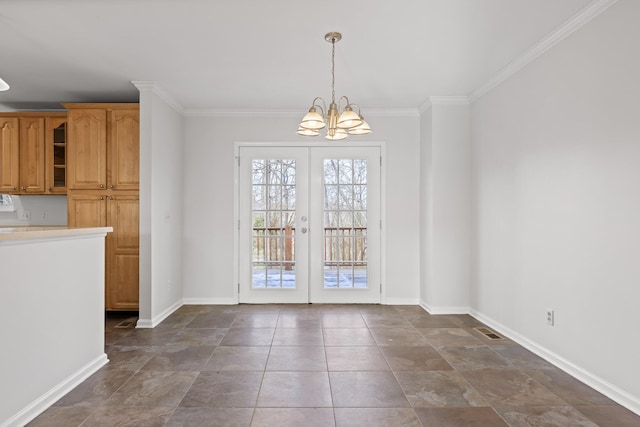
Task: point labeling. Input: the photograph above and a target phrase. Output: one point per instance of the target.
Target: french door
(309, 224)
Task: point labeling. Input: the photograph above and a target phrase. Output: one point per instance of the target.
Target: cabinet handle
(101, 185)
(24, 188)
(101, 197)
(111, 186)
(15, 188)
(49, 188)
(110, 197)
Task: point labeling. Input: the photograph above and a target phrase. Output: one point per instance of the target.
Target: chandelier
(339, 124)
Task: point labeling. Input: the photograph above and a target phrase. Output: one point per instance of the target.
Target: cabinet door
(86, 210)
(32, 155)
(86, 149)
(123, 253)
(123, 149)
(56, 157)
(9, 155)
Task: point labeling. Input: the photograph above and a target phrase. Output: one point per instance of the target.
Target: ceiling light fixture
(3, 85)
(347, 122)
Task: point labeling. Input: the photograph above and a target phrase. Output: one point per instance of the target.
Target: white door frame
(236, 202)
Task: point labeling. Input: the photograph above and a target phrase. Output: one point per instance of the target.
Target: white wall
(161, 206)
(446, 208)
(556, 175)
(54, 207)
(208, 200)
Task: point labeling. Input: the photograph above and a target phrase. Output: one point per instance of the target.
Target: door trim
(236, 202)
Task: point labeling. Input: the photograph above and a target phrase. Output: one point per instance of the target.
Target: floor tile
(293, 417)
(507, 387)
(611, 416)
(414, 358)
(439, 337)
(385, 320)
(398, 336)
(356, 359)
(299, 322)
(128, 417)
(130, 358)
(298, 337)
(153, 389)
(366, 390)
(149, 337)
(297, 359)
(295, 390)
(213, 417)
(521, 358)
(376, 417)
(248, 336)
(224, 390)
(568, 388)
(177, 320)
(473, 357)
(212, 320)
(343, 320)
(179, 358)
(199, 336)
(430, 321)
(460, 417)
(534, 416)
(238, 359)
(96, 389)
(348, 337)
(57, 416)
(438, 389)
(255, 320)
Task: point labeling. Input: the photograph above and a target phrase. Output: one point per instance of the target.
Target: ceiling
(258, 55)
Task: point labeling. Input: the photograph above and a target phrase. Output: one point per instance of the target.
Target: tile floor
(325, 365)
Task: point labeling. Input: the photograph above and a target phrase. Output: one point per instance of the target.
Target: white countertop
(23, 233)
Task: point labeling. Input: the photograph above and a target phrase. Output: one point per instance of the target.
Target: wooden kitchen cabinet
(9, 155)
(56, 155)
(27, 156)
(103, 147)
(122, 212)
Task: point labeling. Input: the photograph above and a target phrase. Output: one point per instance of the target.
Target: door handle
(303, 230)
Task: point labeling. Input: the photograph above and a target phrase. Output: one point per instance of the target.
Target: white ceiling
(264, 55)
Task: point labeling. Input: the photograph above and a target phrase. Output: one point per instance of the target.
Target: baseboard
(42, 403)
(152, 323)
(401, 301)
(443, 310)
(611, 391)
(210, 301)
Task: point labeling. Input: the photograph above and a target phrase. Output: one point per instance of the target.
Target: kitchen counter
(36, 232)
(52, 312)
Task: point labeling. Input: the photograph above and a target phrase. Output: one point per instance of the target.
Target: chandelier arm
(348, 104)
(322, 107)
(333, 70)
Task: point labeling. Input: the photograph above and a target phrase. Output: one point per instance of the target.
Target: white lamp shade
(362, 129)
(349, 119)
(312, 120)
(3, 85)
(337, 136)
(307, 132)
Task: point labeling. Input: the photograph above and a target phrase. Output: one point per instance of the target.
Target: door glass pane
(273, 233)
(345, 223)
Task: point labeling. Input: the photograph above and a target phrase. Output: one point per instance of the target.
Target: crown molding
(594, 9)
(442, 100)
(153, 87)
(238, 113)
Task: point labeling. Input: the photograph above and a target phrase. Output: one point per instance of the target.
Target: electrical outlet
(44, 215)
(550, 317)
(24, 215)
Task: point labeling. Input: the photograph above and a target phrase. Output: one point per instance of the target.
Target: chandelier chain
(333, 70)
